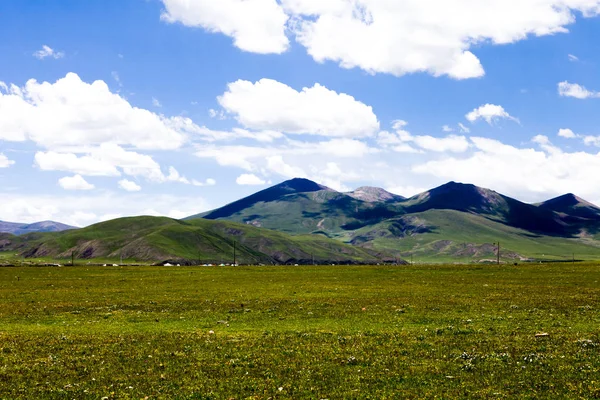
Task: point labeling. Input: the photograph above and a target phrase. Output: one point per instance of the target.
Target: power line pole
(498, 253)
(72, 258)
(234, 253)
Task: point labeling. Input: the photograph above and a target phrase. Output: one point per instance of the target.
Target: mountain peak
(299, 185)
(374, 194)
(572, 205)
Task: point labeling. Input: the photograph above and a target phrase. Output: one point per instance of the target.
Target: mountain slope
(497, 207)
(157, 238)
(300, 206)
(16, 228)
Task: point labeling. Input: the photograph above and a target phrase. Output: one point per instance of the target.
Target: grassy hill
(158, 239)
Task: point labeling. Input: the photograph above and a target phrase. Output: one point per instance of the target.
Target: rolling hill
(159, 239)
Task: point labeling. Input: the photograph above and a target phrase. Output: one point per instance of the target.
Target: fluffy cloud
(129, 186)
(566, 89)
(256, 26)
(526, 173)
(567, 133)
(5, 162)
(489, 113)
(104, 160)
(71, 112)
(75, 183)
(399, 141)
(47, 51)
(249, 179)
(383, 36)
(268, 105)
(203, 133)
(85, 209)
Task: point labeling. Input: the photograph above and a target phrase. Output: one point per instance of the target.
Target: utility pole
(72, 258)
(411, 260)
(234, 253)
(498, 253)
(312, 255)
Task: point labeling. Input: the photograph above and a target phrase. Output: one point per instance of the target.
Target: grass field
(442, 331)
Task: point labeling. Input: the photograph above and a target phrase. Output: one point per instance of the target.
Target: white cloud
(525, 173)
(156, 102)
(399, 140)
(207, 182)
(175, 176)
(273, 106)
(452, 143)
(5, 162)
(278, 165)
(203, 133)
(47, 51)
(573, 58)
(249, 179)
(71, 112)
(490, 113)
(105, 160)
(567, 133)
(256, 26)
(75, 182)
(463, 128)
(566, 89)
(383, 36)
(129, 186)
(447, 129)
(406, 191)
(85, 209)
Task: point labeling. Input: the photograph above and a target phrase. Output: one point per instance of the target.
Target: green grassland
(421, 331)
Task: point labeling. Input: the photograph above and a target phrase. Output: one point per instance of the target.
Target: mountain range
(16, 228)
(299, 220)
(452, 222)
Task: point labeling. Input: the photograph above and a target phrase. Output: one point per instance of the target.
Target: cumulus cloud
(5, 162)
(256, 26)
(249, 179)
(463, 128)
(527, 173)
(447, 129)
(567, 133)
(203, 133)
(129, 186)
(400, 139)
(84, 209)
(71, 112)
(573, 58)
(104, 160)
(268, 105)
(383, 36)
(566, 89)
(75, 182)
(489, 113)
(47, 51)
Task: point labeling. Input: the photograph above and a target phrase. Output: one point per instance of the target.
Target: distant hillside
(158, 239)
(374, 194)
(16, 228)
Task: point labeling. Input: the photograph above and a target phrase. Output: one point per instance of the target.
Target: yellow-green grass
(423, 331)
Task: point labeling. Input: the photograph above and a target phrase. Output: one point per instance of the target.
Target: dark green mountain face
(437, 221)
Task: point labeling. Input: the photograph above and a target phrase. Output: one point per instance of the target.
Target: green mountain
(159, 239)
(452, 222)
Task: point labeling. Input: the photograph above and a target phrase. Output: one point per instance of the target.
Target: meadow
(326, 332)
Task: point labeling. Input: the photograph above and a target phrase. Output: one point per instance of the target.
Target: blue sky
(111, 108)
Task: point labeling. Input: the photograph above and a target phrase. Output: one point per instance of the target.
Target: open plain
(420, 331)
